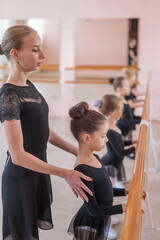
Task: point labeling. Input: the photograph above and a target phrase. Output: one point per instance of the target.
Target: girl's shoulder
(114, 131)
(86, 168)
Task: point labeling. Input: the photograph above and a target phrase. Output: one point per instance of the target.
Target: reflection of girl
(132, 100)
(133, 51)
(26, 186)
(92, 220)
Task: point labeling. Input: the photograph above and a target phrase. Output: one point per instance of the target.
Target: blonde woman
(26, 186)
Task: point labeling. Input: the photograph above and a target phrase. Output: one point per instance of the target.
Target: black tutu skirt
(119, 173)
(85, 227)
(26, 198)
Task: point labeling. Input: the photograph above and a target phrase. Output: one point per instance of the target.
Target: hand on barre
(124, 207)
(134, 141)
(144, 194)
(126, 192)
(143, 206)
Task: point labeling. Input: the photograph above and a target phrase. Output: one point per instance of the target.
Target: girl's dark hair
(118, 81)
(111, 80)
(84, 119)
(110, 103)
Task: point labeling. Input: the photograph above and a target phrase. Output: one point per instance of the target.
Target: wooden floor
(65, 204)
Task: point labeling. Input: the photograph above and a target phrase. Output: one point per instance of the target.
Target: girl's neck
(121, 96)
(86, 156)
(84, 153)
(111, 122)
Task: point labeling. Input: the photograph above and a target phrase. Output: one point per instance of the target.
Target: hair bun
(1, 51)
(79, 110)
(97, 103)
(111, 80)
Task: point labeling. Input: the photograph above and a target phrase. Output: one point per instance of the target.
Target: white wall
(146, 10)
(101, 42)
(51, 41)
(68, 11)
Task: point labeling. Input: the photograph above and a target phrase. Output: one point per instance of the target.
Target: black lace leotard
(92, 220)
(26, 194)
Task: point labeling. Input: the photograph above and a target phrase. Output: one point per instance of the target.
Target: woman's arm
(24, 159)
(58, 141)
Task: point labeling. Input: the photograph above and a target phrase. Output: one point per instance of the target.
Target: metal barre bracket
(144, 122)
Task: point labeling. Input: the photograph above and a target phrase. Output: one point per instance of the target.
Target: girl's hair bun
(1, 51)
(97, 103)
(111, 80)
(79, 110)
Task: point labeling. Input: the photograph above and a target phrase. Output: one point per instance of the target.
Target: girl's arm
(98, 210)
(58, 141)
(118, 192)
(136, 93)
(139, 100)
(144, 194)
(129, 142)
(134, 104)
(24, 159)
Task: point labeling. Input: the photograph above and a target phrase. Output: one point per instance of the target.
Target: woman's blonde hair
(13, 38)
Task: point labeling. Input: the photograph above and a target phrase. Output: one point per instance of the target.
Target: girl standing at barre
(112, 107)
(92, 221)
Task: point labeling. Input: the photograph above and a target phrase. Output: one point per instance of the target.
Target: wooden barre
(50, 67)
(132, 228)
(96, 67)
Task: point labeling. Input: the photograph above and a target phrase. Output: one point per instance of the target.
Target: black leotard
(115, 149)
(94, 215)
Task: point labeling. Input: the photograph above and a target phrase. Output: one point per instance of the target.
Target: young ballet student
(130, 74)
(92, 221)
(127, 122)
(26, 185)
(131, 99)
(112, 107)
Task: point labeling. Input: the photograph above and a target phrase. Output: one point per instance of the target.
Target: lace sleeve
(10, 105)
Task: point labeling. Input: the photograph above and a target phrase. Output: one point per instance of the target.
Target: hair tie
(97, 103)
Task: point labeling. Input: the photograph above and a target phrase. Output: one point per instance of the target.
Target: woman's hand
(73, 178)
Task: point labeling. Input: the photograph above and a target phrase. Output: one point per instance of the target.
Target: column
(67, 50)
